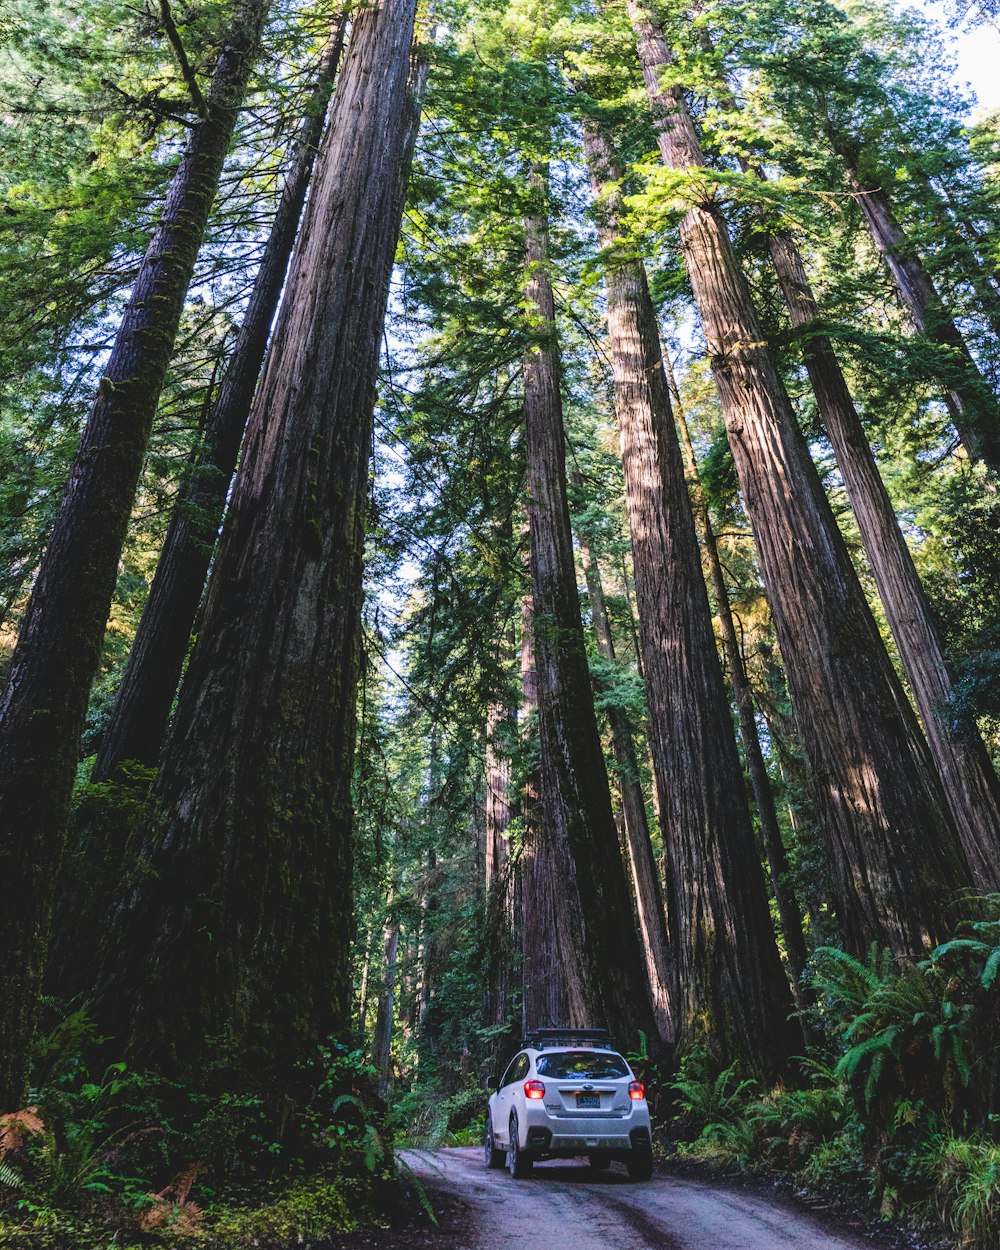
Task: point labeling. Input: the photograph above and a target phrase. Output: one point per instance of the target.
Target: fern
(9, 1178)
(404, 1171)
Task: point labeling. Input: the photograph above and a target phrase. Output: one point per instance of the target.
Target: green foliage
(838, 1166)
(900, 1110)
(307, 1211)
(965, 1176)
(917, 1034)
(104, 1151)
(340, 1124)
(733, 1118)
(711, 1103)
(430, 1120)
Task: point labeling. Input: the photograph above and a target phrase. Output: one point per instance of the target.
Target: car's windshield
(583, 1065)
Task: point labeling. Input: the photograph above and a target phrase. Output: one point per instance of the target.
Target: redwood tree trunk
(730, 983)
(543, 978)
(642, 863)
(611, 981)
(500, 722)
(895, 860)
(789, 912)
(382, 1045)
(246, 935)
(43, 706)
(970, 783)
(498, 778)
(141, 709)
(971, 403)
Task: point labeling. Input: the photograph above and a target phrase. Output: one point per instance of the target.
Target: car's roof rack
(538, 1039)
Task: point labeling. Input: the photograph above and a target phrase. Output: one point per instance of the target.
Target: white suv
(568, 1093)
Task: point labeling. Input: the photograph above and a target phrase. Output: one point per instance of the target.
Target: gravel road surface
(567, 1206)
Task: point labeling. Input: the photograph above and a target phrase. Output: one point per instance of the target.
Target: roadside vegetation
(104, 1155)
(897, 1110)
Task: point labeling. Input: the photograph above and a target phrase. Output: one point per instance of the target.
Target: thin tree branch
(187, 73)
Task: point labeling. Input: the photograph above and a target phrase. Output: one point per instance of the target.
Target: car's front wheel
(640, 1164)
(518, 1163)
(494, 1158)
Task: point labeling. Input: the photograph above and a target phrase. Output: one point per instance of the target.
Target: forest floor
(567, 1206)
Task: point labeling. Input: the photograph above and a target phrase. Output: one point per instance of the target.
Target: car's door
(505, 1096)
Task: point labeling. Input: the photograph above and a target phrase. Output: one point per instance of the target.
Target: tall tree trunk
(363, 989)
(382, 1044)
(729, 977)
(426, 946)
(247, 933)
(611, 979)
(141, 709)
(45, 700)
(645, 878)
(500, 722)
(970, 401)
(970, 783)
(543, 978)
(895, 860)
(789, 912)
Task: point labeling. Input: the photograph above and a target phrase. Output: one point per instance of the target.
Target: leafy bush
(343, 1123)
(902, 1105)
(92, 1159)
(306, 1212)
(922, 1035)
(431, 1120)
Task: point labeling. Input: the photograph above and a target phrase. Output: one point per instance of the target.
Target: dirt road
(566, 1206)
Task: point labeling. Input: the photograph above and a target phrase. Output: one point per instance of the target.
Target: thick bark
(543, 985)
(895, 860)
(789, 912)
(970, 401)
(610, 979)
(246, 935)
(970, 783)
(645, 879)
(141, 709)
(729, 979)
(43, 706)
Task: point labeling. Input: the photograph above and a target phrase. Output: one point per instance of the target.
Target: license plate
(588, 1100)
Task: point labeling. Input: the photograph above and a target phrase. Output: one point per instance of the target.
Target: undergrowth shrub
(900, 1103)
(430, 1120)
(103, 1153)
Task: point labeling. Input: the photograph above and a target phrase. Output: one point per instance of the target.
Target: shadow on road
(583, 1173)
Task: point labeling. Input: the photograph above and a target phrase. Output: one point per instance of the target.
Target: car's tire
(518, 1163)
(599, 1160)
(494, 1158)
(640, 1164)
